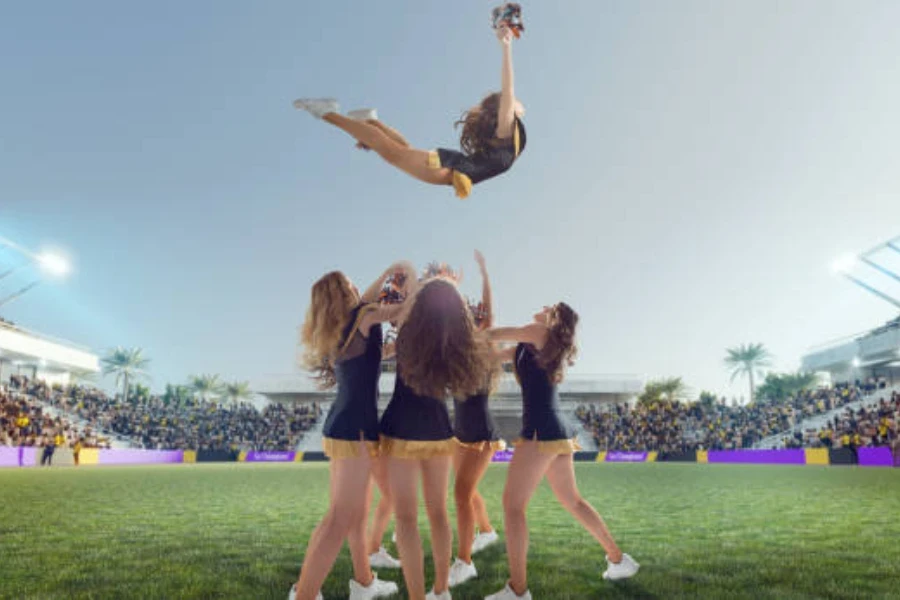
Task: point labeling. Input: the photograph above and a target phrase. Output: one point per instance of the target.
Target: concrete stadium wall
(863, 457)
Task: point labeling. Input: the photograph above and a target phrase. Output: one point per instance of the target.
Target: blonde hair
(438, 348)
(331, 304)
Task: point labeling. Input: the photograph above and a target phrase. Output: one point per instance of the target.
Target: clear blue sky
(692, 170)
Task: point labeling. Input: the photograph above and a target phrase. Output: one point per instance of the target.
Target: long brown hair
(559, 350)
(438, 348)
(332, 302)
(479, 126)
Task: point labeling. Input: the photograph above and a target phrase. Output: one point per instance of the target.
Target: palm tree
(206, 386)
(125, 364)
(748, 359)
(671, 389)
(237, 391)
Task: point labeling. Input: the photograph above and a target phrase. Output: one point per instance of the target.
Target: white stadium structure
(38, 356)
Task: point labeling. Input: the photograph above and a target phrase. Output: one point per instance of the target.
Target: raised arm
(506, 114)
(487, 299)
(504, 355)
(533, 333)
(372, 292)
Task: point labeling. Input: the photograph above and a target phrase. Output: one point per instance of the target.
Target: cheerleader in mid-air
(546, 447)
(342, 340)
(438, 353)
(492, 136)
(477, 439)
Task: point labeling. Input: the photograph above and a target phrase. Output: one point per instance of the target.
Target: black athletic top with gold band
(415, 426)
(473, 423)
(469, 170)
(542, 418)
(354, 413)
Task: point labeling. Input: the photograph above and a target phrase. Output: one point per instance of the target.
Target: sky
(693, 168)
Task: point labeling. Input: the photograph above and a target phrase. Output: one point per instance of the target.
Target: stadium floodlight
(856, 362)
(53, 264)
(844, 264)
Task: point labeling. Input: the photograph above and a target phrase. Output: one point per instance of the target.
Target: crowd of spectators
(875, 426)
(23, 422)
(154, 422)
(675, 426)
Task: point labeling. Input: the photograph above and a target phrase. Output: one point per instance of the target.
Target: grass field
(239, 530)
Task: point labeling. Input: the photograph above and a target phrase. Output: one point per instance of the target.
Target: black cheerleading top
(410, 416)
(472, 420)
(357, 371)
(469, 170)
(542, 419)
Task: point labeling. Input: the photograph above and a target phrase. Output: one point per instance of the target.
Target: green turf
(239, 530)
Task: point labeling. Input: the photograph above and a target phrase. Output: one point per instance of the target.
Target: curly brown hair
(559, 350)
(332, 302)
(438, 348)
(479, 126)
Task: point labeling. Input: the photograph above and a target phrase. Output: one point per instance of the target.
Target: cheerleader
(492, 138)
(477, 440)
(342, 340)
(547, 444)
(438, 352)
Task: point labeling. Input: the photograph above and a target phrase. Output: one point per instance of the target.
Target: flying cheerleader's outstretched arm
(506, 114)
(372, 292)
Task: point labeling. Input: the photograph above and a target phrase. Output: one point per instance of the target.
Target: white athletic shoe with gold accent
(317, 107)
(364, 114)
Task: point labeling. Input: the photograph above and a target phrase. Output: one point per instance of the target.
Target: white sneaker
(508, 594)
(293, 594)
(376, 589)
(483, 540)
(461, 571)
(383, 560)
(317, 107)
(445, 595)
(394, 537)
(622, 570)
(364, 114)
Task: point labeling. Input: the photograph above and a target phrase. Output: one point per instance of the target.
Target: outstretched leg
(470, 467)
(561, 477)
(525, 473)
(388, 131)
(412, 161)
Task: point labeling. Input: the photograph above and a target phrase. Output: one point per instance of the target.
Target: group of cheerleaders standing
(440, 352)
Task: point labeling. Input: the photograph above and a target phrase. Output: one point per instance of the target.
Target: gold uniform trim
(461, 182)
(495, 445)
(336, 449)
(567, 446)
(416, 449)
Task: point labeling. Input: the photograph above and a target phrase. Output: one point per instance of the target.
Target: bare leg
(525, 473)
(349, 480)
(384, 509)
(356, 539)
(403, 475)
(470, 467)
(410, 160)
(435, 481)
(561, 477)
(481, 516)
(388, 131)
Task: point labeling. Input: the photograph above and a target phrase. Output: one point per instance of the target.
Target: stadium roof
(21, 347)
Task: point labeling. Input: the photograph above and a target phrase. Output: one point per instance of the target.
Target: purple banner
(273, 456)
(758, 457)
(18, 456)
(139, 457)
(618, 456)
(875, 457)
(897, 458)
(502, 456)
